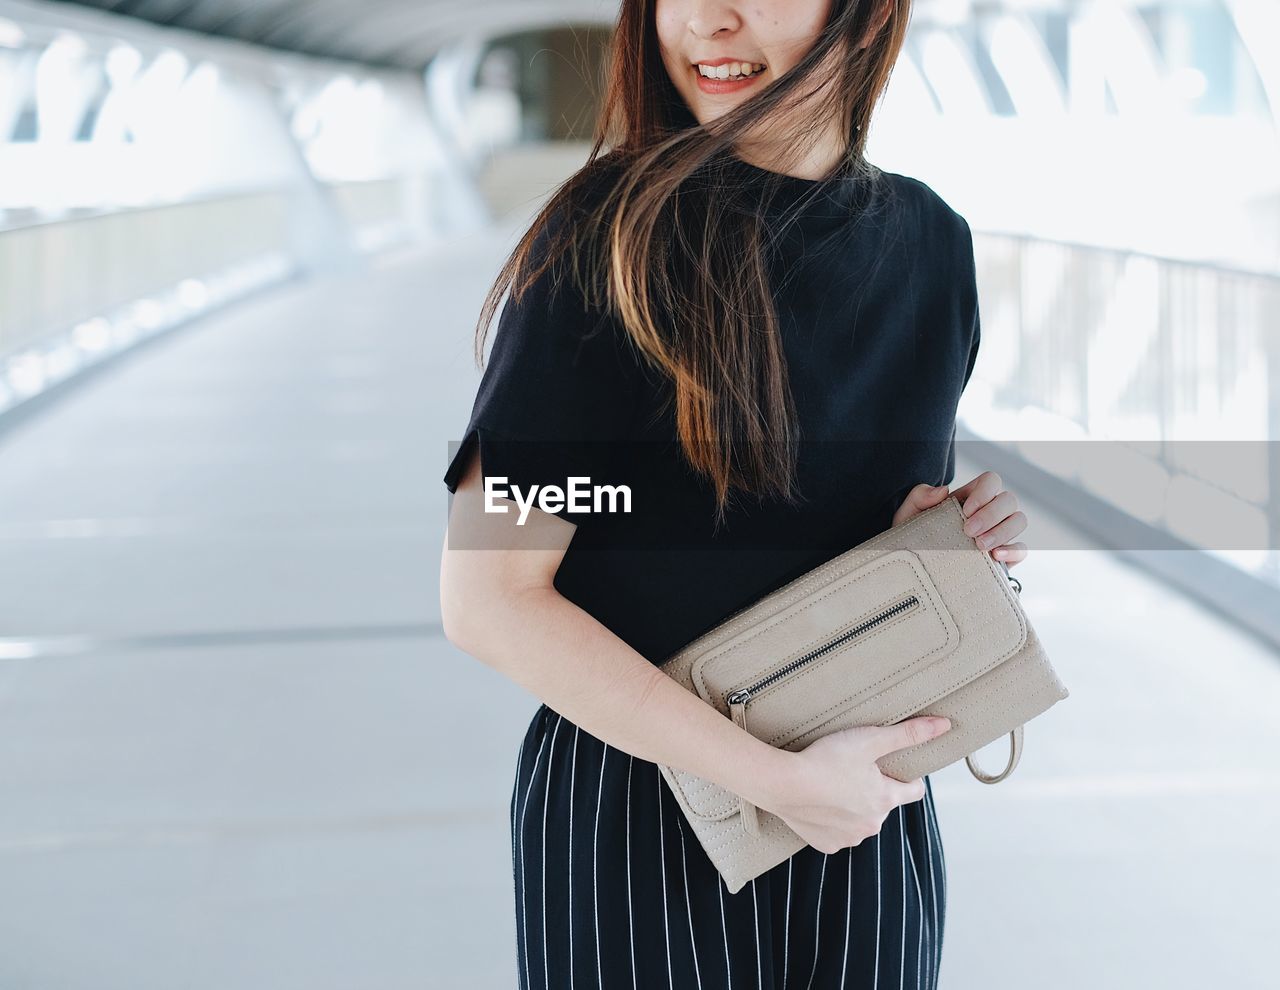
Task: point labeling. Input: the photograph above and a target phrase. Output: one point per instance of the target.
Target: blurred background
(243, 247)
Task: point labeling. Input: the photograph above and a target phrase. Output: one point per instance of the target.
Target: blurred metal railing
(60, 272)
(79, 288)
(56, 273)
(1175, 364)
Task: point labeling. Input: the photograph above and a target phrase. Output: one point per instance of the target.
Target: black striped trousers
(613, 891)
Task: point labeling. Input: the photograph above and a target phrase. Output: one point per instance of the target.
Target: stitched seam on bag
(729, 840)
(792, 680)
(800, 611)
(973, 677)
(722, 838)
(1022, 626)
(817, 640)
(730, 833)
(718, 811)
(1035, 659)
(735, 836)
(975, 709)
(795, 676)
(723, 809)
(702, 786)
(870, 688)
(724, 835)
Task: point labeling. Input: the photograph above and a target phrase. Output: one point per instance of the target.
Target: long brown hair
(645, 249)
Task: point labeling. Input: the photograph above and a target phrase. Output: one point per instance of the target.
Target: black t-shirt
(877, 304)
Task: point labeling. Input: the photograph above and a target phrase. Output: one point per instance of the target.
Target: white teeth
(730, 70)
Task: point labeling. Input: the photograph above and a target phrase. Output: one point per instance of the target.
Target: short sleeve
(974, 322)
(975, 340)
(970, 318)
(559, 389)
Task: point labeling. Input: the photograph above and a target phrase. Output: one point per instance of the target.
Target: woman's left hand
(991, 514)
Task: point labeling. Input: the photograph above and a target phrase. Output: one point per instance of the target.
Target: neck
(813, 163)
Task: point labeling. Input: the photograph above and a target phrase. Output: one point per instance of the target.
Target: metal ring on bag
(1015, 752)
(1017, 585)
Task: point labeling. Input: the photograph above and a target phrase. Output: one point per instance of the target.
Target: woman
(766, 339)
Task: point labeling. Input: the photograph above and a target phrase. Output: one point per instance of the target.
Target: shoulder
(585, 190)
(919, 203)
(562, 315)
(930, 229)
(571, 226)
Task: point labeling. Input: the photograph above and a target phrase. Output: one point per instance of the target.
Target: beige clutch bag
(917, 620)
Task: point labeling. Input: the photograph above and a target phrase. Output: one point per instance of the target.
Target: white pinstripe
(631, 928)
(920, 901)
(546, 800)
(595, 865)
(514, 803)
(875, 983)
(902, 959)
(724, 930)
(943, 857)
(755, 907)
(573, 763)
(933, 818)
(786, 934)
(848, 917)
(662, 865)
(688, 906)
(933, 823)
(524, 900)
(935, 946)
(817, 918)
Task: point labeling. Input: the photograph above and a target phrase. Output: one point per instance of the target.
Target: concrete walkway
(219, 625)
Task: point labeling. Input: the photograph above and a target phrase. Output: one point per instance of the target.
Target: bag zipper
(738, 699)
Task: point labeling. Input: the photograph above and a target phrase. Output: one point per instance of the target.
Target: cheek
(668, 16)
(667, 50)
(787, 28)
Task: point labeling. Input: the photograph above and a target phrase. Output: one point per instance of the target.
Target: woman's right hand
(834, 795)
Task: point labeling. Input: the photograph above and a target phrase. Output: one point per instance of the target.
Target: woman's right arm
(499, 604)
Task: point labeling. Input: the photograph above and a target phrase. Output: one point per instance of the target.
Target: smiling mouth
(729, 71)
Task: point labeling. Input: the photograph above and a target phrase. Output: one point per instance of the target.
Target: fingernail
(942, 722)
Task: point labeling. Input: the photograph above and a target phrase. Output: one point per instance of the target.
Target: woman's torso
(874, 288)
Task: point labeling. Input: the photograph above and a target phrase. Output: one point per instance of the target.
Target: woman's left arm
(991, 514)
